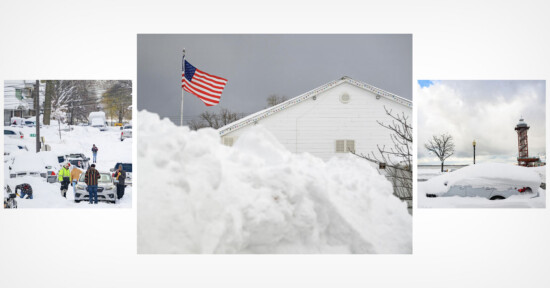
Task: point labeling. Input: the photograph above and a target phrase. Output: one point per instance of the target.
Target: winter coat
(94, 150)
(75, 174)
(64, 172)
(120, 176)
(91, 177)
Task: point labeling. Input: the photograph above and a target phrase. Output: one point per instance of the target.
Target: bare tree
(214, 120)
(275, 99)
(118, 98)
(442, 146)
(396, 161)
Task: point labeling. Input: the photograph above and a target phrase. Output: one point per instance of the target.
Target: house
(330, 120)
(19, 100)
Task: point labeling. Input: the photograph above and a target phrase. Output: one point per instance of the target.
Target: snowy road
(79, 140)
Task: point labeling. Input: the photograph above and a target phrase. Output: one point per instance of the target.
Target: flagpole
(182, 91)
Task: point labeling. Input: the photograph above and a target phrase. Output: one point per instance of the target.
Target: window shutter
(228, 141)
(350, 145)
(340, 146)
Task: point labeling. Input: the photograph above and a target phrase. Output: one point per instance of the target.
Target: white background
(97, 40)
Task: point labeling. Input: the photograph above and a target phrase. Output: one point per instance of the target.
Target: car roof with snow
(495, 175)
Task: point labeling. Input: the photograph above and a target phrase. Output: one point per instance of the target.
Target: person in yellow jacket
(64, 177)
(75, 174)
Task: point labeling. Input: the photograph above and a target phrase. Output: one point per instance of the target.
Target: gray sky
(486, 111)
(260, 65)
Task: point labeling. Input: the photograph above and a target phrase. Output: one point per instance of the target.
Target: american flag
(207, 87)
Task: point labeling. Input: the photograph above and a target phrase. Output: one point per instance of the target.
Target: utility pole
(37, 111)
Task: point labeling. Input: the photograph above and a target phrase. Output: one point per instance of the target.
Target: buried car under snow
(493, 181)
(106, 190)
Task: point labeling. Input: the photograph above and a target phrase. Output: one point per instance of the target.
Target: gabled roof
(250, 119)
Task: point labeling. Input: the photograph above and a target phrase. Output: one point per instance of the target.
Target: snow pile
(496, 175)
(198, 196)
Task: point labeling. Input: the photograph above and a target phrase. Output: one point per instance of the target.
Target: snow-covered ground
(498, 176)
(198, 196)
(79, 140)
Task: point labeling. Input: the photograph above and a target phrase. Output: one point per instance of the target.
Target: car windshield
(127, 127)
(75, 156)
(105, 177)
(125, 166)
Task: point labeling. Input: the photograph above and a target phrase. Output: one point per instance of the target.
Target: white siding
(314, 125)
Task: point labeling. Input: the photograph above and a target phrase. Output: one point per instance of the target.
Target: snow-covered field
(498, 176)
(198, 196)
(79, 140)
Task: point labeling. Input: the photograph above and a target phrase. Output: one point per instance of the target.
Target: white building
(329, 120)
(19, 100)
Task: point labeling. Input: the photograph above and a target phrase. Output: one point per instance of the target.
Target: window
(344, 98)
(8, 132)
(228, 141)
(340, 146)
(343, 146)
(350, 145)
(19, 94)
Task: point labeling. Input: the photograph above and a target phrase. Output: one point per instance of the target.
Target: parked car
(27, 164)
(106, 190)
(52, 164)
(12, 149)
(31, 122)
(126, 132)
(13, 133)
(493, 181)
(126, 167)
(97, 119)
(78, 159)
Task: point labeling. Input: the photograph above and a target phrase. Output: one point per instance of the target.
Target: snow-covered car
(27, 164)
(13, 149)
(127, 167)
(98, 120)
(31, 122)
(106, 190)
(79, 160)
(126, 132)
(493, 181)
(52, 164)
(13, 133)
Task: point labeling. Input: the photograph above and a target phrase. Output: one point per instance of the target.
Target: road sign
(33, 135)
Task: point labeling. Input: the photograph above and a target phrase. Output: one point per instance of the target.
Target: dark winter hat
(93, 166)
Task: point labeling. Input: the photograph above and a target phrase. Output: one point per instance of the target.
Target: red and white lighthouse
(523, 145)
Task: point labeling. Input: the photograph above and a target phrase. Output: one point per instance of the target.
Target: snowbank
(497, 175)
(198, 196)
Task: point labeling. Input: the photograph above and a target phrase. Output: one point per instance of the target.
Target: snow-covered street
(79, 140)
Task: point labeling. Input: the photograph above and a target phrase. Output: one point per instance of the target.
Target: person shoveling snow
(199, 196)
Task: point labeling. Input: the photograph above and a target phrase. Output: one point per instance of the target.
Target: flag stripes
(208, 88)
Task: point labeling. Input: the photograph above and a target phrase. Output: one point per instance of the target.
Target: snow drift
(198, 196)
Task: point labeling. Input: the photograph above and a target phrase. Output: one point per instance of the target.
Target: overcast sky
(486, 111)
(260, 65)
